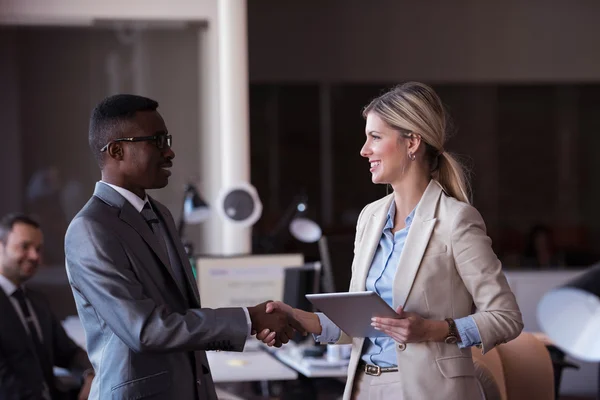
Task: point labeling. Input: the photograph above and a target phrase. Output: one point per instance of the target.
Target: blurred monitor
(300, 281)
(337, 252)
(239, 281)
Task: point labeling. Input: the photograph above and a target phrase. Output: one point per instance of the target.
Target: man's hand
(278, 321)
(84, 393)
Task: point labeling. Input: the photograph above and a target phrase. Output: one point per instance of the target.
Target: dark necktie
(154, 223)
(40, 350)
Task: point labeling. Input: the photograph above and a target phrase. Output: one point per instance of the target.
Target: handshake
(274, 323)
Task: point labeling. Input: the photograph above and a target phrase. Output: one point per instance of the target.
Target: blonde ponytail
(453, 178)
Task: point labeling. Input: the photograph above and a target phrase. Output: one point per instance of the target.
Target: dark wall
(529, 149)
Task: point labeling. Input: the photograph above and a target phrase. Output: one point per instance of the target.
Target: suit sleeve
(498, 317)
(11, 387)
(100, 272)
(66, 353)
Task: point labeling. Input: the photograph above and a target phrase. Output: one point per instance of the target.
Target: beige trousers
(383, 387)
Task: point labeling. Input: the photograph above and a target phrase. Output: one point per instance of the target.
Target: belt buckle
(373, 370)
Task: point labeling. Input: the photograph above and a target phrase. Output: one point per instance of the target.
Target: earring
(412, 156)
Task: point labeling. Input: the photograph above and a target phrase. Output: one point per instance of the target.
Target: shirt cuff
(468, 332)
(330, 332)
(88, 372)
(248, 322)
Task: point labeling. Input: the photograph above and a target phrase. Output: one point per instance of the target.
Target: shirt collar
(8, 287)
(389, 223)
(131, 197)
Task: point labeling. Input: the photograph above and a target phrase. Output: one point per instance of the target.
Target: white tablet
(352, 311)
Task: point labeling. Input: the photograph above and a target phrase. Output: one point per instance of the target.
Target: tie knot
(19, 294)
(149, 214)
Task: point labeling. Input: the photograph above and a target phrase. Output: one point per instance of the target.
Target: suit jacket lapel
(372, 234)
(8, 311)
(132, 217)
(416, 243)
(181, 254)
(16, 325)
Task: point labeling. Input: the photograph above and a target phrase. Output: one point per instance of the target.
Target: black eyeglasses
(162, 141)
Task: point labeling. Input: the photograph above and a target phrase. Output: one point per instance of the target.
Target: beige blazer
(447, 269)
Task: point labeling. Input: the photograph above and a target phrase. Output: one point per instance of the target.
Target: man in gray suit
(134, 289)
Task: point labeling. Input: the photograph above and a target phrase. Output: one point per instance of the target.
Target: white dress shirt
(138, 204)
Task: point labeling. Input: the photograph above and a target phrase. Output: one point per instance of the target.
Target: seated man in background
(32, 340)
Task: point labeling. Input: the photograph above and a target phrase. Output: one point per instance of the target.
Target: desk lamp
(301, 227)
(570, 316)
(195, 210)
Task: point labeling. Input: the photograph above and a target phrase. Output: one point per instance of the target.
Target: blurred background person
(541, 250)
(32, 340)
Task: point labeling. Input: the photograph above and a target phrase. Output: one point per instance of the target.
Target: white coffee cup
(333, 352)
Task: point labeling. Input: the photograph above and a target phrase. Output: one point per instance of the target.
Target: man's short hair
(9, 221)
(108, 114)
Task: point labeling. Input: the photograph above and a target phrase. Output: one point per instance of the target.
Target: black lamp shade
(195, 210)
(239, 205)
(570, 315)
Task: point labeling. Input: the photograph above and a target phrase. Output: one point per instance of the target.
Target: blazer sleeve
(100, 271)
(498, 317)
(344, 338)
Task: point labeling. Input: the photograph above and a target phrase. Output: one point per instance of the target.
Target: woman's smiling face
(386, 150)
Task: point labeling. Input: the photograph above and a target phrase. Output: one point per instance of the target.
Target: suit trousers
(383, 387)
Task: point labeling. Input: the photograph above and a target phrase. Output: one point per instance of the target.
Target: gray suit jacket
(144, 337)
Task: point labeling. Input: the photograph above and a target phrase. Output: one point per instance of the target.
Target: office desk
(316, 375)
(253, 365)
(291, 355)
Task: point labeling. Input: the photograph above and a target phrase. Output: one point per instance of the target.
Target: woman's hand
(411, 327)
(309, 321)
(279, 305)
(267, 337)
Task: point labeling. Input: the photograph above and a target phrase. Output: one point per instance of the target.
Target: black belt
(375, 370)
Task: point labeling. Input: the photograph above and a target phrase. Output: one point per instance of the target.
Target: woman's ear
(414, 143)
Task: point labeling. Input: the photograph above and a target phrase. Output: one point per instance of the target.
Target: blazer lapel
(132, 217)
(416, 243)
(372, 236)
(183, 258)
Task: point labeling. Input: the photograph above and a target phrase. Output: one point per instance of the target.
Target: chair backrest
(522, 368)
(489, 389)
(491, 362)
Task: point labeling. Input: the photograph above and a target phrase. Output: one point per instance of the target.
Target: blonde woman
(425, 251)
